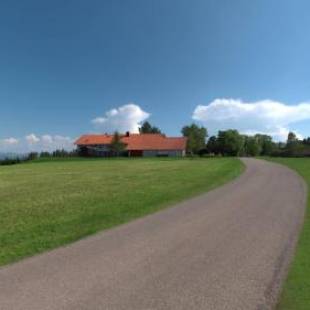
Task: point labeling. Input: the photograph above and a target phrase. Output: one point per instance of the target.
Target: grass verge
(46, 204)
(296, 290)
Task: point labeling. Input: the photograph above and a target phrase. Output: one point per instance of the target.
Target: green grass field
(296, 291)
(49, 203)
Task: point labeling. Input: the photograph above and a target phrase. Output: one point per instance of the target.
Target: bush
(10, 161)
(33, 156)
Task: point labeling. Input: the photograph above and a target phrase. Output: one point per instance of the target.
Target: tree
(291, 138)
(212, 145)
(196, 138)
(230, 142)
(60, 153)
(266, 143)
(117, 145)
(306, 141)
(292, 144)
(32, 156)
(252, 146)
(148, 128)
(45, 154)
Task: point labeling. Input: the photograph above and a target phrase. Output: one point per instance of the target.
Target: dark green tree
(293, 146)
(117, 145)
(196, 138)
(291, 138)
(230, 142)
(45, 154)
(266, 143)
(148, 128)
(33, 155)
(306, 141)
(60, 153)
(252, 146)
(212, 145)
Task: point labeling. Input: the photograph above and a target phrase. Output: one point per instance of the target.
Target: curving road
(228, 249)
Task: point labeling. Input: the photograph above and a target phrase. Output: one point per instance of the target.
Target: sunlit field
(49, 203)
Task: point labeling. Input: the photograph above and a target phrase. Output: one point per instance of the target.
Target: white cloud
(8, 144)
(32, 139)
(10, 141)
(125, 118)
(51, 143)
(266, 116)
(36, 143)
(47, 139)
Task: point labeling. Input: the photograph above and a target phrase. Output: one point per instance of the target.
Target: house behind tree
(136, 145)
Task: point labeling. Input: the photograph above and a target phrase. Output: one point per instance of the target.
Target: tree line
(232, 143)
(226, 143)
(18, 159)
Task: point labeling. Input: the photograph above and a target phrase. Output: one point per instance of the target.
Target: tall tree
(148, 128)
(196, 138)
(293, 145)
(252, 146)
(266, 143)
(117, 145)
(230, 142)
(212, 145)
(291, 138)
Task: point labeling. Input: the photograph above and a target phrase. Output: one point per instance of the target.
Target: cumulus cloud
(125, 118)
(32, 139)
(266, 116)
(10, 141)
(51, 143)
(47, 139)
(7, 144)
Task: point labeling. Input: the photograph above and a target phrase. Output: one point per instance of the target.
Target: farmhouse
(135, 145)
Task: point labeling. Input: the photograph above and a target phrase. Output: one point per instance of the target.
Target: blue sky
(65, 64)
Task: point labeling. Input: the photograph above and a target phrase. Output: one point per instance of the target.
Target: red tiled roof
(137, 141)
(93, 139)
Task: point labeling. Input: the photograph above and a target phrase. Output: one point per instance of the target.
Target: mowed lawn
(296, 291)
(51, 203)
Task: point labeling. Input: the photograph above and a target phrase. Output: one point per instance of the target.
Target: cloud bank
(10, 141)
(34, 143)
(125, 118)
(266, 116)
